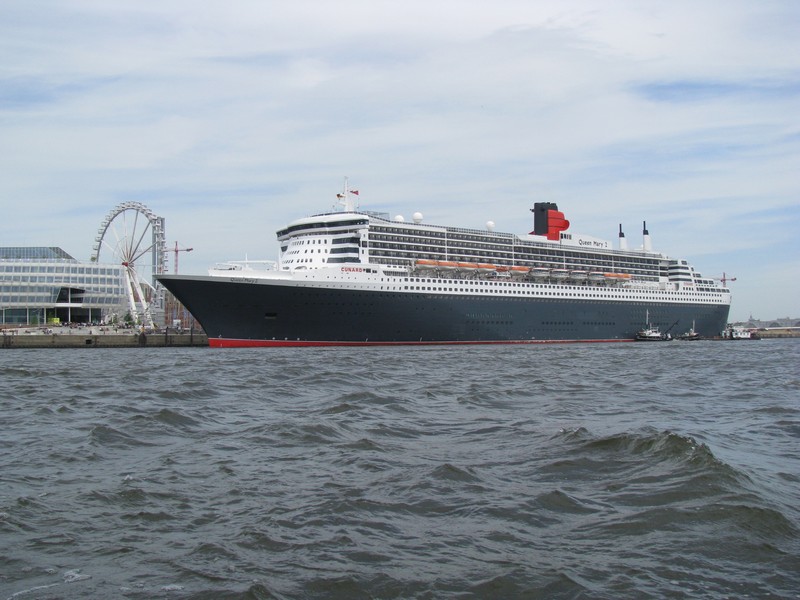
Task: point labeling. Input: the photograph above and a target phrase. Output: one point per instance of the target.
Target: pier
(95, 337)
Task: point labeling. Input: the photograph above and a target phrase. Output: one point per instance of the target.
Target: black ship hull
(240, 313)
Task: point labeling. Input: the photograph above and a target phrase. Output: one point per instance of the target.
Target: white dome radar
(417, 217)
(490, 226)
(399, 218)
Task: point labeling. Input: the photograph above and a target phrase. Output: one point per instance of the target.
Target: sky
(230, 119)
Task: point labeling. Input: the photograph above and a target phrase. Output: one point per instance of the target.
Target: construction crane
(176, 255)
(724, 279)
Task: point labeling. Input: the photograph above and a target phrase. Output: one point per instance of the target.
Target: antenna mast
(348, 204)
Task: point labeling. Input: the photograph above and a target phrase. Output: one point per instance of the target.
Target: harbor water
(668, 470)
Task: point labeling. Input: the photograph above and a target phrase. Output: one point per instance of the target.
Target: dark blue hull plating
(258, 314)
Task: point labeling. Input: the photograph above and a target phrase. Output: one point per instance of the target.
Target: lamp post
(183, 310)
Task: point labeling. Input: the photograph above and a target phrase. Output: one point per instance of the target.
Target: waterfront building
(779, 323)
(40, 285)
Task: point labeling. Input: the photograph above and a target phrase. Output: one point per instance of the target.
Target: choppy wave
(560, 472)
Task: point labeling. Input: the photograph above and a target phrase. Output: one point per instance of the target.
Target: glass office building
(40, 285)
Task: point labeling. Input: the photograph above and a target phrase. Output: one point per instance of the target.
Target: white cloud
(230, 119)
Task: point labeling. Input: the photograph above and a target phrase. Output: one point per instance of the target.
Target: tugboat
(651, 333)
(690, 336)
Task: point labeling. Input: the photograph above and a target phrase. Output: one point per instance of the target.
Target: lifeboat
(486, 267)
(596, 277)
(616, 277)
(519, 271)
(578, 275)
(467, 266)
(540, 272)
(559, 274)
(424, 263)
(448, 265)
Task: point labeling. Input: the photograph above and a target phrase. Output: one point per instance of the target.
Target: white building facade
(40, 285)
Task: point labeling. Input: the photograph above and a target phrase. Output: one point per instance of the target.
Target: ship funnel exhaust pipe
(648, 246)
(623, 243)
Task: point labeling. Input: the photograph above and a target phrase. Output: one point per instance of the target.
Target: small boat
(578, 275)
(651, 333)
(519, 271)
(596, 277)
(559, 274)
(447, 265)
(736, 332)
(615, 278)
(690, 336)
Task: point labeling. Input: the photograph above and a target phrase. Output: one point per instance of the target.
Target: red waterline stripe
(240, 343)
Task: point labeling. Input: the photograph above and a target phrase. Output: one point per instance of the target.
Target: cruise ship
(355, 277)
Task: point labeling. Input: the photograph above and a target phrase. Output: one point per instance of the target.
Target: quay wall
(786, 332)
(106, 340)
(172, 339)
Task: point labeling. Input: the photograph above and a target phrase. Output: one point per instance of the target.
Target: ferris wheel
(132, 235)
